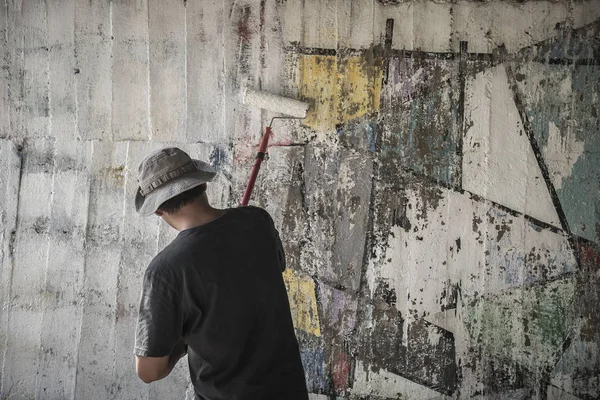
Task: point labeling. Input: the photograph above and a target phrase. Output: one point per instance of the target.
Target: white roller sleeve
(279, 104)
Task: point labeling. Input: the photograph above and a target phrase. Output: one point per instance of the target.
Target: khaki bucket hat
(166, 173)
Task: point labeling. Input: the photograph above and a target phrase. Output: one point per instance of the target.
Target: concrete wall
(440, 205)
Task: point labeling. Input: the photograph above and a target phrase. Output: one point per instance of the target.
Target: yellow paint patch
(303, 302)
(115, 175)
(338, 89)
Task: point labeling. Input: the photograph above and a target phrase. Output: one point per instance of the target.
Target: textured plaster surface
(439, 206)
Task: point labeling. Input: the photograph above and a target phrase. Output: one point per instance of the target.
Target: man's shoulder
(258, 212)
(163, 261)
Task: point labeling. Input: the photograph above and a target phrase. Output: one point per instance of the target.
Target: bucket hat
(166, 173)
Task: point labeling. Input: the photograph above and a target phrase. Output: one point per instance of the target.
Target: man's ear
(159, 212)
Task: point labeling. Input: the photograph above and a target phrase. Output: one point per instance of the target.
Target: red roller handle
(260, 156)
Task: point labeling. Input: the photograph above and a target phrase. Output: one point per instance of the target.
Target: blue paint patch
(218, 157)
(514, 264)
(359, 134)
(313, 359)
(576, 47)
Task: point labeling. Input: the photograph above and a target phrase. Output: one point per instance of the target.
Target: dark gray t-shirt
(219, 286)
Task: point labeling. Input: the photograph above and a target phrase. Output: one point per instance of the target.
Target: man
(216, 292)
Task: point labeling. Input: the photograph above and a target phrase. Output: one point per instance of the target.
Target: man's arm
(278, 243)
(158, 339)
(150, 369)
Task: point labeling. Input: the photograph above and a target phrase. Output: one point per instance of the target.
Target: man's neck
(195, 214)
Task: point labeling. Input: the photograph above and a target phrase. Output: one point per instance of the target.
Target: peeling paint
(339, 89)
(301, 291)
(439, 207)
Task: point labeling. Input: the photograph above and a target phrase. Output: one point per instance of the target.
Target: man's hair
(173, 205)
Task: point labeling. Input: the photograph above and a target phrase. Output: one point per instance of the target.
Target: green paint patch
(562, 105)
(580, 192)
(527, 326)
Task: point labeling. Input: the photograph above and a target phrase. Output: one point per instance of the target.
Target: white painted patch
(498, 162)
(388, 385)
(320, 23)
(444, 319)
(561, 153)
(292, 13)
(402, 14)
(428, 26)
(465, 242)
(422, 263)
(207, 38)
(432, 26)
(167, 69)
(487, 25)
(130, 63)
(361, 24)
(93, 81)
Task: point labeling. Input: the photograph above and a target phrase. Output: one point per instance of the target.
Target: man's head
(169, 180)
(175, 204)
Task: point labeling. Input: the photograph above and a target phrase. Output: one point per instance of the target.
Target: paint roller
(293, 109)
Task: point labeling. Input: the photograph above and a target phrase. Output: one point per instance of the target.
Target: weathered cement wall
(440, 205)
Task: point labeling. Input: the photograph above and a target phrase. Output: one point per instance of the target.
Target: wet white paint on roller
(275, 103)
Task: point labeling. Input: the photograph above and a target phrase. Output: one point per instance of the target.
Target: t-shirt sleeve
(278, 243)
(160, 319)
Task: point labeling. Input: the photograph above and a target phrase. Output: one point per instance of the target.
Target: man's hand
(150, 369)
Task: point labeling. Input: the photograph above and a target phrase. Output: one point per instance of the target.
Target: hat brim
(147, 205)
